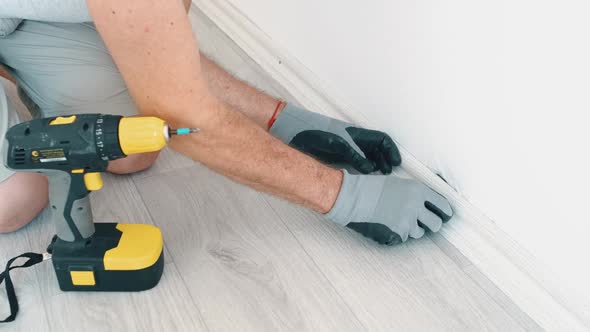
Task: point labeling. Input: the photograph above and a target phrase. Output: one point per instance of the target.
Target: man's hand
(333, 141)
(388, 209)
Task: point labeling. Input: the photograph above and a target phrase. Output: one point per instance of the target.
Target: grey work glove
(334, 141)
(389, 209)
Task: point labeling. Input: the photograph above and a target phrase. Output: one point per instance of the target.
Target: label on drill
(48, 156)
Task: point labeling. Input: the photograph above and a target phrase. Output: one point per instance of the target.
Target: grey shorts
(62, 68)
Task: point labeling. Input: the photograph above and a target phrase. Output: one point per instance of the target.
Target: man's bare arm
(5, 74)
(154, 48)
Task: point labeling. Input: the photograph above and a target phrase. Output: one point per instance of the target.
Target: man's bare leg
(22, 197)
(4, 73)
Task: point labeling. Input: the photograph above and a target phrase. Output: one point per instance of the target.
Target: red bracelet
(274, 115)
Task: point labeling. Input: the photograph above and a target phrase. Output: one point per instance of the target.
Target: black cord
(33, 258)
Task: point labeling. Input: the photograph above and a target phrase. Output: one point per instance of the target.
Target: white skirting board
(551, 303)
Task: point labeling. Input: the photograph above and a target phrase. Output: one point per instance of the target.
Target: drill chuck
(142, 134)
(146, 134)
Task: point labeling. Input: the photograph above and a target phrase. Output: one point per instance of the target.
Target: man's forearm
(245, 152)
(154, 48)
(239, 96)
(5, 74)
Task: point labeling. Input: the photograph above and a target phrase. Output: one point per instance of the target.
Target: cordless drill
(72, 152)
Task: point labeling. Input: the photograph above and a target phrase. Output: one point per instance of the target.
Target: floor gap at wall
(515, 271)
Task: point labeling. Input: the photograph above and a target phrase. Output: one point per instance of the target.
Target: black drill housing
(78, 145)
(74, 144)
(38, 144)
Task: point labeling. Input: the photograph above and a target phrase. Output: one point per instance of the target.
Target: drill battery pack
(117, 258)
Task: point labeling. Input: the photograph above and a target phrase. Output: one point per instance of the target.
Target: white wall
(492, 94)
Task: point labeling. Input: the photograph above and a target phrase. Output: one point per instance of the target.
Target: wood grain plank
(118, 201)
(243, 268)
(413, 287)
(450, 250)
(169, 306)
(502, 299)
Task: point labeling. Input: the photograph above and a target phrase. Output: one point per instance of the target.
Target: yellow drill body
(73, 152)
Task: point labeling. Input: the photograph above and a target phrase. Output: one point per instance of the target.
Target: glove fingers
(390, 151)
(383, 165)
(438, 205)
(357, 157)
(331, 148)
(378, 232)
(359, 162)
(417, 232)
(376, 146)
(429, 221)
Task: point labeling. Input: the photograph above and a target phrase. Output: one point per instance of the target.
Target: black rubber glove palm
(334, 141)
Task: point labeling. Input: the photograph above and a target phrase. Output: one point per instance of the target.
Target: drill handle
(70, 204)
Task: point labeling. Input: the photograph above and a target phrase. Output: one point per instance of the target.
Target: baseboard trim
(550, 303)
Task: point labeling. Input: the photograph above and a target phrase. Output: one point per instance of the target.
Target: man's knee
(22, 197)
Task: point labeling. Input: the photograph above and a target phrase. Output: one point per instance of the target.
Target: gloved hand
(388, 209)
(335, 141)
